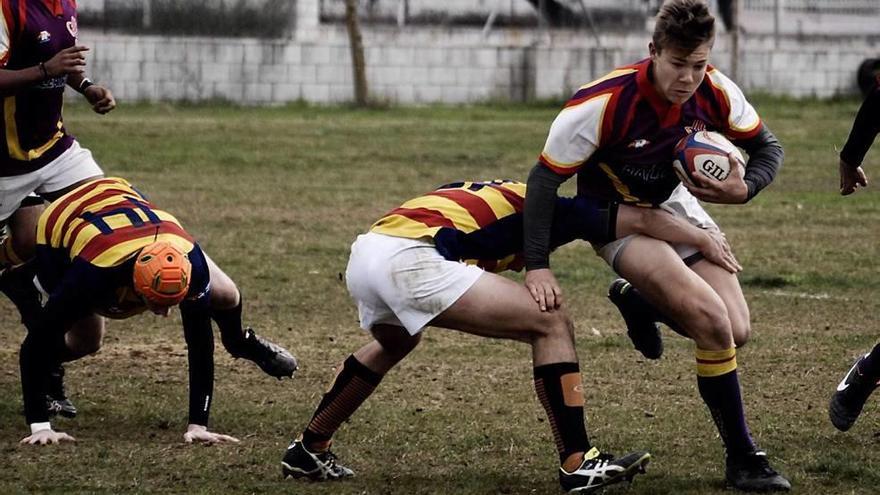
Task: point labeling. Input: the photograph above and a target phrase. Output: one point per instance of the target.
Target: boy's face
(678, 72)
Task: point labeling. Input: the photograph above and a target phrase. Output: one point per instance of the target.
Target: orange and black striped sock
(559, 389)
(353, 384)
(719, 387)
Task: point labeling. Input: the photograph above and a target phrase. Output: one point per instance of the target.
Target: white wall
(424, 65)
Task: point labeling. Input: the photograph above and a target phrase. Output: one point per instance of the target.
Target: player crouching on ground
(407, 273)
(104, 249)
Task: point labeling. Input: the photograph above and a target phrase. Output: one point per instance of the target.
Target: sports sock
(719, 387)
(869, 366)
(231, 332)
(559, 390)
(353, 384)
(634, 300)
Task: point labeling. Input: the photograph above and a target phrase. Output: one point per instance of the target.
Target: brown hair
(685, 24)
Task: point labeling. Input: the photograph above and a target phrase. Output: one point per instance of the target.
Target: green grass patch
(277, 195)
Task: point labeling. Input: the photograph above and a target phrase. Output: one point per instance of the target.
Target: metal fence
(253, 18)
(834, 7)
(464, 12)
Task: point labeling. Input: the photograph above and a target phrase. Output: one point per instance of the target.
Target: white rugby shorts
(403, 282)
(681, 203)
(72, 166)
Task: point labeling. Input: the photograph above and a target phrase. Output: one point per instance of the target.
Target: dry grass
(277, 195)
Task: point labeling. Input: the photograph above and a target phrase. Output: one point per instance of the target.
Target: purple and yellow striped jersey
(618, 134)
(33, 31)
(106, 222)
(460, 207)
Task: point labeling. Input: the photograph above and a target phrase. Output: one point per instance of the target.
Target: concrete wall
(425, 65)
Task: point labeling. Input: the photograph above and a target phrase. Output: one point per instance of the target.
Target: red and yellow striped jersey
(105, 222)
(464, 210)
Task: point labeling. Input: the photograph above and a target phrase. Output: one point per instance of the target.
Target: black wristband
(84, 85)
(43, 70)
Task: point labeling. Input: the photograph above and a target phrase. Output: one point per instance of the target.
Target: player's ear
(653, 49)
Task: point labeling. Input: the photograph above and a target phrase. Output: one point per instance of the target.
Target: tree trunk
(357, 53)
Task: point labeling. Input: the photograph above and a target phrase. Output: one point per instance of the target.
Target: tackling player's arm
(864, 130)
(195, 313)
(539, 204)
(600, 222)
(660, 224)
(574, 136)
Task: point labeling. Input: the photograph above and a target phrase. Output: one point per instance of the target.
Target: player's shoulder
(720, 82)
(613, 81)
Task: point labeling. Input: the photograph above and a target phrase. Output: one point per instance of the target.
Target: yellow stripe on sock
(715, 363)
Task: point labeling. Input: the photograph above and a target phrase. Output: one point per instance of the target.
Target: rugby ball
(705, 153)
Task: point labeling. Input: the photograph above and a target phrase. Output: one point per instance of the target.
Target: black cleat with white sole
(850, 397)
(600, 470)
(300, 463)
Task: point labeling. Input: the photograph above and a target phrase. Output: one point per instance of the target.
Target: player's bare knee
(84, 344)
(224, 295)
(741, 333)
(710, 325)
(555, 325)
(397, 343)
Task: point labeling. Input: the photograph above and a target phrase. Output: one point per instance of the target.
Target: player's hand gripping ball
(706, 153)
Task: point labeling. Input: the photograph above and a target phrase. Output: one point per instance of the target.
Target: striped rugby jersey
(481, 222)
(618, 134)
(105, 222)
(87, 241)
(33, 31)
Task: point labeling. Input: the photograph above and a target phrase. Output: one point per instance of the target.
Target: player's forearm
(540, 201)
(865, 128)
(200, 352)
(34, 372)
(12, 81)
(659, 224)
(765, 159)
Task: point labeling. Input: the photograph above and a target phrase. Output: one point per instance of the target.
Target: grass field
(277, 195)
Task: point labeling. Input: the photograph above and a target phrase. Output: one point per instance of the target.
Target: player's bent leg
(85, 337)
(660, 275)
(497, 307)
(309, 456)
(239, 341)
(662, 278)
(726, 285)
(19, 246)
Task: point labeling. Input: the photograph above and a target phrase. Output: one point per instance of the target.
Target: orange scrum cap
(162, 273)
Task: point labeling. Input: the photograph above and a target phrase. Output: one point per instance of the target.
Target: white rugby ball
(705, 153)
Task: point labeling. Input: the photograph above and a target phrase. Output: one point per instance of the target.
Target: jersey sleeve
(575, 134)
(200, 279)
(865, 128)
(742, 121)
(7, 27)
